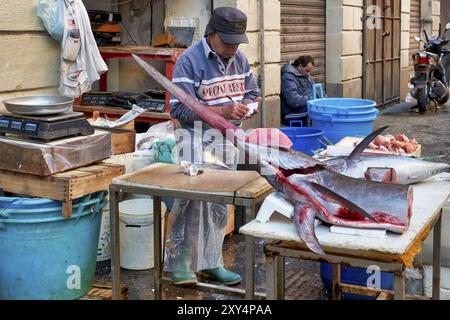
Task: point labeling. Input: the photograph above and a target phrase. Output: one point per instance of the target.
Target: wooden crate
(102, 290)
(122, 140)
(65, 186)
(45, 158)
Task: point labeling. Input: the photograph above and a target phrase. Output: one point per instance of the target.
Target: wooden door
(381, 55)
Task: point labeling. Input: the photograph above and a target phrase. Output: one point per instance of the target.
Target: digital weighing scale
(47, 127)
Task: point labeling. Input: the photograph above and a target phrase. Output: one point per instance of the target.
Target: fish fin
(356, 153)
(304, 217)
(342, 201)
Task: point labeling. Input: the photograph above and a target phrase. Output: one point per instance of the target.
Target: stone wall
(344, 48)
(404, 48)
(271, 52)
(29, 57)
(436, 16)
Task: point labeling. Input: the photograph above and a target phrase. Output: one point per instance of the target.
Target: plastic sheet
(39, 158)
(161, 139)
(197, 228)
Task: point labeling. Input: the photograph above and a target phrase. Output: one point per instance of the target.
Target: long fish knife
(205, 114)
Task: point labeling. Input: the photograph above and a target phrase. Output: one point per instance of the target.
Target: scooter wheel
(422, 99)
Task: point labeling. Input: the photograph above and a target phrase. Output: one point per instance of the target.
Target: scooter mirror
(417, 38)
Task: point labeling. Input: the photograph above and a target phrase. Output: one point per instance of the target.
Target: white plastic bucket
(136, 233)
(104, 241)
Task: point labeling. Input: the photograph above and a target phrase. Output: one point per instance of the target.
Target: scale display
(44, 129)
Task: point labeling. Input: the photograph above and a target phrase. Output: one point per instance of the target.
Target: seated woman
(296, 89)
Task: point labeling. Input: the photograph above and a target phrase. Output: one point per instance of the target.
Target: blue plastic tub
(305, 140)
(354, 276)
(341, 117)
(341, 106)
(47, 256)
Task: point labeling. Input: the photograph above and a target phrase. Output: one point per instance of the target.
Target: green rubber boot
(222, 275)
(184, 274)
(183, 277)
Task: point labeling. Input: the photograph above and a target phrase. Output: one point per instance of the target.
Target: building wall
(445, 13)
(344, 48)
(405, 73)
(344, 45)
(436, 16)
(271, 52)
(29, 58)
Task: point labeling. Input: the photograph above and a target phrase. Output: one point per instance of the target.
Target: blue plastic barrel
(354, 276)
(47, 256)
(305, 140)
(341, 117)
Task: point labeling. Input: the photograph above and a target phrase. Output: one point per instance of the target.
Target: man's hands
(236, 111)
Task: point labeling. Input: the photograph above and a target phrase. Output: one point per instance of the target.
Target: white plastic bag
(51, 13)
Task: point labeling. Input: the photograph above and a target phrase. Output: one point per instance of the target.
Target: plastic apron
(197, 228)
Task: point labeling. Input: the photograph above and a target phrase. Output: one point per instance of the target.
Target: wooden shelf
(117, 112)
(141, 50)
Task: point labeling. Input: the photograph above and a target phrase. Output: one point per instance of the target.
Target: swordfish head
(344, 201)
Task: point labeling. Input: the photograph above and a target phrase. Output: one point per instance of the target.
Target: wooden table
(65, 186)
(393, 253)
(240, 188)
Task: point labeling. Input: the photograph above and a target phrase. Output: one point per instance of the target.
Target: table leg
(336, 282)
(249, 257)
(271, 276)
(115, 243)
(399, 285)
(157, 246)
(280, 283)
(437, 258)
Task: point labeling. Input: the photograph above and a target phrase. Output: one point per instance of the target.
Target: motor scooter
(431, 71)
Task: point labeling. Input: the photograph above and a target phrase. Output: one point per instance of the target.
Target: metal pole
(262, 64)
(250, 213)
(115, 243)
(364, 55)
(437, 258)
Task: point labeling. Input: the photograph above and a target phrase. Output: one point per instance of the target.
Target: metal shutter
(303, 32)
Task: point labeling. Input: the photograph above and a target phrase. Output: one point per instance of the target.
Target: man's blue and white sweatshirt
(202, 74)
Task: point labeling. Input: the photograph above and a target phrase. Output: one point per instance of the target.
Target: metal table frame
(118, 188)
(277, 251)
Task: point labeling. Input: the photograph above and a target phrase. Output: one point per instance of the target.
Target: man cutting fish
(217, 74)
